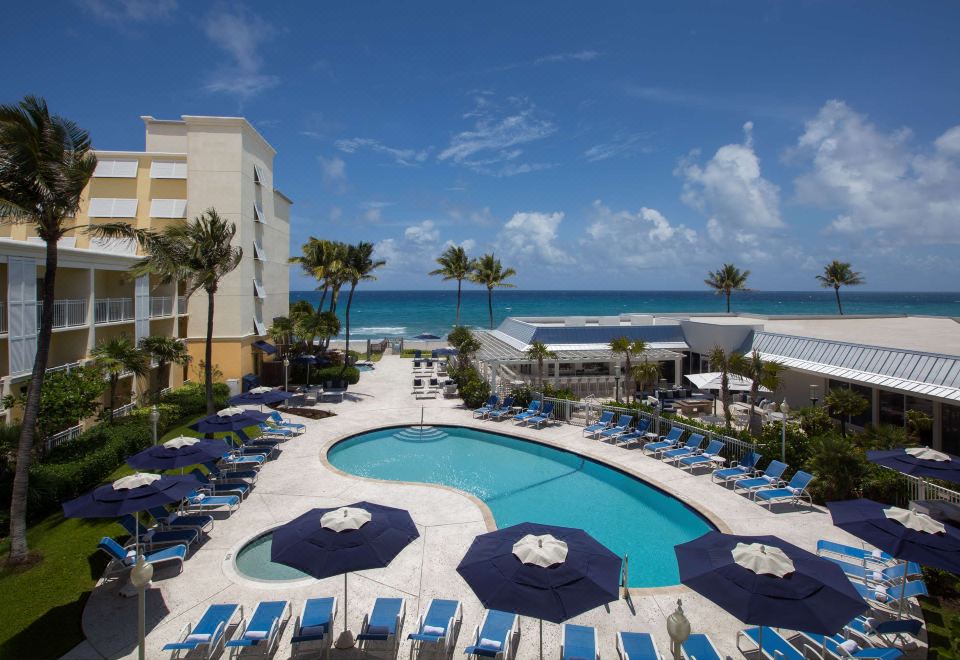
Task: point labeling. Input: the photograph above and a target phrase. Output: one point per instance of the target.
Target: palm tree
(359, 267)
(281, 332)
(116, 357)
(645, 372)
(198, 251)
(462, 339)
(837, 274)
(761, 374)
(722, 361)
(726, 280)
(538, 351)
(488, 271)
(45, 163)
(164, 350)
(454, 265)
(627, 348)
(320, 259)
(844, 403)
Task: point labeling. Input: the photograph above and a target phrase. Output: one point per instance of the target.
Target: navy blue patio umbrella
(356, 537)
(919, 462)
(259, 396)
(426, 335)
(444, 352)
(765, 581)
(542, 571)
(229, 420)
(178, 453)
(308, 360)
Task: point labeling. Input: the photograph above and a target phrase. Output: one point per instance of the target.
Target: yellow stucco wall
(233, 357)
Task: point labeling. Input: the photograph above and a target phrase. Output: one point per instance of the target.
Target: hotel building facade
(188, 165)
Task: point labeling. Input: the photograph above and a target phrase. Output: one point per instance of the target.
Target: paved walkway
(300, 479)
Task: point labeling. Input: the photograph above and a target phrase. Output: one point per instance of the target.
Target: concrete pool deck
(448, 520)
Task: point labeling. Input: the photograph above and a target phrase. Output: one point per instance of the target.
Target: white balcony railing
(64, 436)
(112, 310)
(64, 367)
(124, 410)
(182, 304)
(3, 318)
(66, 313)
(161, 306)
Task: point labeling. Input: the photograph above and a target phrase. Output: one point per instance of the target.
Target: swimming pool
(523, 481)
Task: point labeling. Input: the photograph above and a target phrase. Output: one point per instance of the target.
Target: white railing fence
(161, 306)
(66, 313)
(64, 367)
(112, 310)
(921, 489)
(63, 437)
(124, 410)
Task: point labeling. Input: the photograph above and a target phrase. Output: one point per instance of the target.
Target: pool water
(364, 367)
(253, 560)
(524, 481)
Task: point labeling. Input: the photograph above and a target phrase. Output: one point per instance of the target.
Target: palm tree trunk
(346, 351)
(160, 365)
(754, 391)
(627, 378)
(31, 410)
(113, 394)
(323, 297)
(490, 304)
(208, 354)
(459, 287)
(836, 290)
(728, 302)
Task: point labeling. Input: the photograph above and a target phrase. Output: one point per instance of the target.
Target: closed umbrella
(178, 453)
(919, 462)
(542, 571)
(334, 541)
(765, 581)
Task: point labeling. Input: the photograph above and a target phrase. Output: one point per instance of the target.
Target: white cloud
(387, 250)
(880, 184)
(423, 232)
(495, 142)
(730, 188)
(533, 236)
(242, 36)
(642, 239)
(579, 56)
(334, 173)
(124, 12)
(400, 156)
(619, 146)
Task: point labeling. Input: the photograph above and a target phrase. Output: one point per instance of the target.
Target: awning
(711, 381)
(264, 346)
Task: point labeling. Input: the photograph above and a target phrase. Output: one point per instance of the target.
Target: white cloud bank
(242, 35)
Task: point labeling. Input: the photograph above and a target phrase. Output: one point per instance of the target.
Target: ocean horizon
(390, 314)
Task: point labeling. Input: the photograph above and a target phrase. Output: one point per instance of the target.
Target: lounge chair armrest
(184, 632)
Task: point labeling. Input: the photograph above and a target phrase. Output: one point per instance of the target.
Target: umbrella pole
(541, 639)
(344, 602)
(903, 589)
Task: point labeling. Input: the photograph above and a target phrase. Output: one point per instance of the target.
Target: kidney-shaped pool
(522, 481)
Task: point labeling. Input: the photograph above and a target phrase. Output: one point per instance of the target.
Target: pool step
(416, 434)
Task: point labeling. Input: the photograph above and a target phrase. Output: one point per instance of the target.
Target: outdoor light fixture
(678, 628)
(140, 577)
(813, 395)
(286, 366)
(785, 410)
(154, 418)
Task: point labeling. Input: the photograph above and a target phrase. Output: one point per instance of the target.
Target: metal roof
(527, 333)
(494, 348)
(927, 374)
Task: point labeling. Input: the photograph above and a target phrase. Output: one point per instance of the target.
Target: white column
(141, 307)
(21, 314)
(91, 303)
(677, 369)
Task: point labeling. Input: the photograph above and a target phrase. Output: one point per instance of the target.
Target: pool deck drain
(448, 520)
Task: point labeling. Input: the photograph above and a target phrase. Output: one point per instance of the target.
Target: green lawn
(942, 617)
(42, 606)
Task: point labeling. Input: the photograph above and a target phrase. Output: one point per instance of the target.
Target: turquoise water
(526, 482)
(253, 560)
(379, 314)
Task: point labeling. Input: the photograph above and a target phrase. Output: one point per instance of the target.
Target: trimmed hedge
(75, 467)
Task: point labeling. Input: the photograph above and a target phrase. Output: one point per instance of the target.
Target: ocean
(379, 314)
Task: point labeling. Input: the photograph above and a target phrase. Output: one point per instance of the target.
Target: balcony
(112, 310)
(66, 313)
(182, 305)
(161, 306)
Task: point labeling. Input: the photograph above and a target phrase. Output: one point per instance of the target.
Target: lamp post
(154, 418)
(784, 410)
(813, 395)
(286, 366)
(678, 628)
(140, 577)
(616, 380)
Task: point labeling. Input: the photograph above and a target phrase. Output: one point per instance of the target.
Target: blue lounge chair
(859, 555)
(690, 448)
(487, 408)
(618, 429)
(437, 627)
(382, 625)
(606, 419)
(775, 646)
(838, 646)
(770, 477)
(705, 458)
(210, 633)
(157, 538)
(747, 467)
(503, 411)
(633, 435)
(273, 433)
(532, 410)
(123, 558)
(496, 636)
(286, 423)
(665, 442)
(173, 520)
(234, 459)
(216, 472)
(315, 623)
(546, 414)
(637, 646)
(262, 632)
(794, 492)
(201, 501)
(887, 576)
(700, 647)
(889, 597)
(578, 643)
(868, 629)
(226, 487)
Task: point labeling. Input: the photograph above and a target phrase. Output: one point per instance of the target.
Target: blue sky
(590, 145)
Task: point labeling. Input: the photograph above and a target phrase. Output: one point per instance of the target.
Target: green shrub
(475, 392)
(336, 374)
(839, 466)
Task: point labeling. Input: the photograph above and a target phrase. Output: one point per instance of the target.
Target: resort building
(898, 363)
(189, 165)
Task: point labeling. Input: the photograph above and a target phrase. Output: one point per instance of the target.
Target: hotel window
(108, 207)
(116, 168)
(168, 208)
(258, 253)
(257, 213)
(866, 416)
(258, 175)
(168, 169)
(950, 428)
(891, 408)
(926, 407)
(258, 289)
